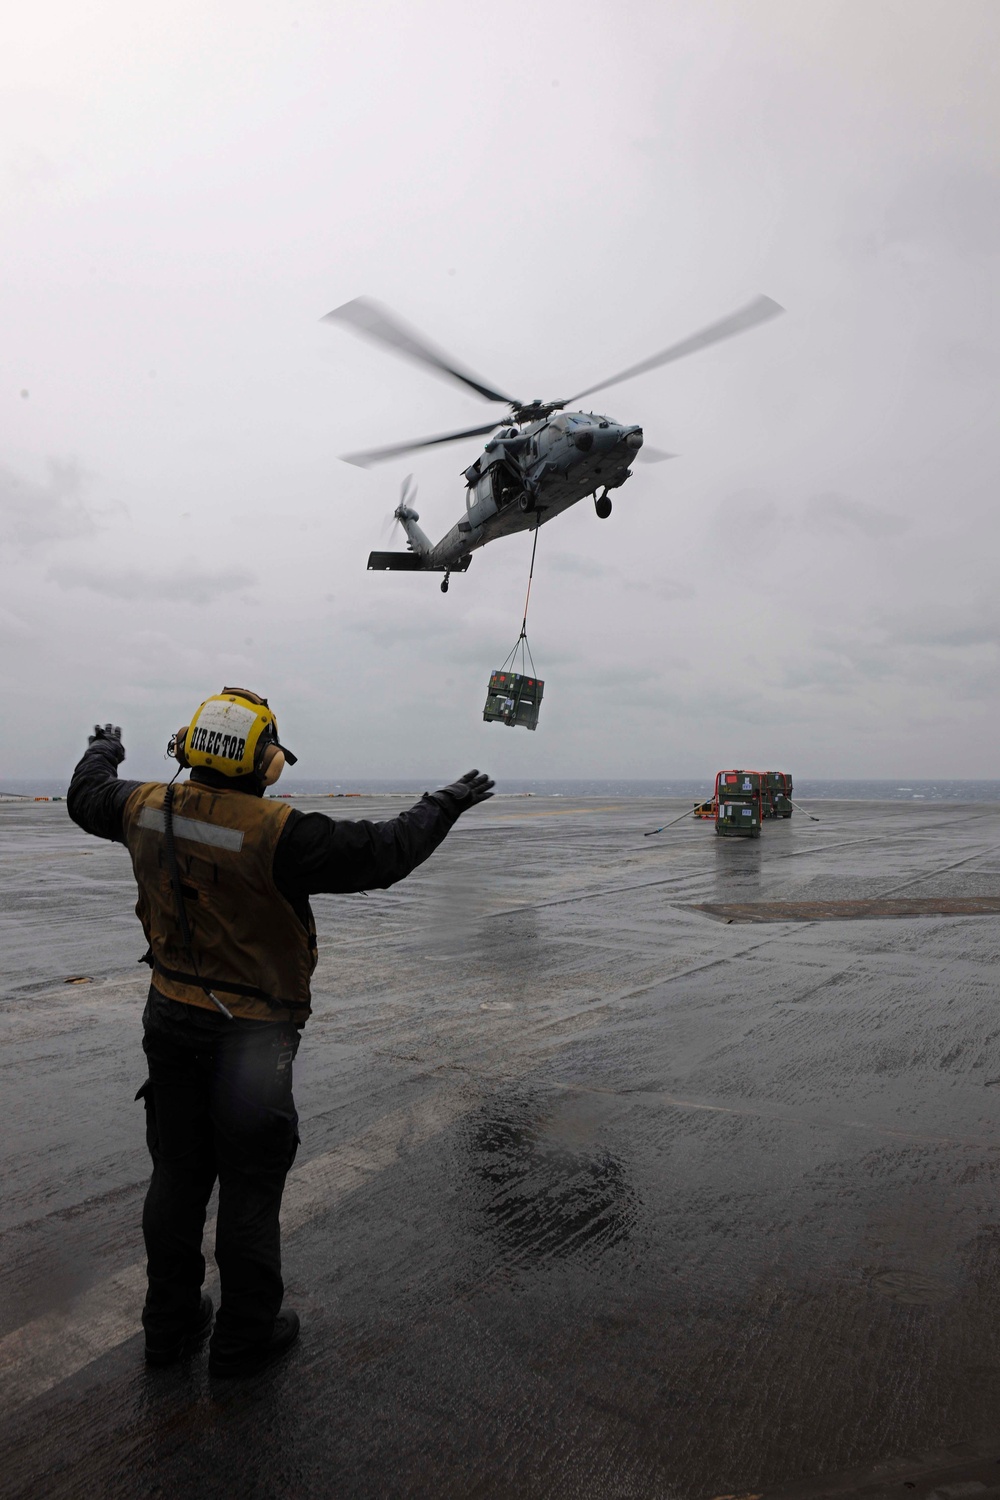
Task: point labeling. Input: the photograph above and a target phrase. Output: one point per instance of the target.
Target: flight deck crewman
(224, 879)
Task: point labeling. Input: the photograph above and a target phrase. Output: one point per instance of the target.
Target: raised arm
(317, 853)
(96, 798)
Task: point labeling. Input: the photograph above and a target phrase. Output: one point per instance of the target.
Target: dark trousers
(218, 1106)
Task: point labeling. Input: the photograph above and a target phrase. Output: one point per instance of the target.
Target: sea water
(900, 789)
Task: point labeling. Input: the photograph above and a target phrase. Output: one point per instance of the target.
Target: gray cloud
(34, 514)
(387, 627)
(26, 168)
(186, 583)
(11, 627)
(964, 359)
(831, 512)
(947, 206)
(839, 670)
(749, 510)
(667, 589)
(939, 653)
(949, 628)
(579, 567)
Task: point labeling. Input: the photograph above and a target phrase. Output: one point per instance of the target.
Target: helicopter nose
(633, 439)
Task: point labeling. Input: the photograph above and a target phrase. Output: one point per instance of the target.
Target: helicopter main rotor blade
(649, 455)
(757, 311)
(375, 322)
(379, 455)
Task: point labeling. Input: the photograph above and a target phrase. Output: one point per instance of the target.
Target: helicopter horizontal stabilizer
(412, 562)
(394, 562)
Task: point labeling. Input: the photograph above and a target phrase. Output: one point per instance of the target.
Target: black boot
(167, 1346)
(237, 1363)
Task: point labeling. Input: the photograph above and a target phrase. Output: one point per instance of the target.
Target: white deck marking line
(48, 1350)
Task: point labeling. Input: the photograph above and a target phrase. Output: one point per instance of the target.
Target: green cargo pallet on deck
(777, 794)
(738, 804)
(781, 799)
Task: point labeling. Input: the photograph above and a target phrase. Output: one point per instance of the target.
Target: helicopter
(539, 460)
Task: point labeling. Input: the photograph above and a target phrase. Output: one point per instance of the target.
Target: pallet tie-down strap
(671, 824)
(508, 663)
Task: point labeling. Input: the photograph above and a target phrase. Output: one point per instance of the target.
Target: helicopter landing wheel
(603, 506)
(444, 583)
(524, 501)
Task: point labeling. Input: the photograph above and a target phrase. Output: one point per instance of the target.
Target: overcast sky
(550, 191)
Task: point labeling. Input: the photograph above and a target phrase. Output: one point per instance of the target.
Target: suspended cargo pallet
(513, 699)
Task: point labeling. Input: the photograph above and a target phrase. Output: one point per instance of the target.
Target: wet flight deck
(629, 1168)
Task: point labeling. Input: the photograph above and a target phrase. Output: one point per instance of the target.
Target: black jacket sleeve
(316, 853)
(96, 798)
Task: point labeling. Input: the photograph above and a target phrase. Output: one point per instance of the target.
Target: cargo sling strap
(522, 639)
(175, 882)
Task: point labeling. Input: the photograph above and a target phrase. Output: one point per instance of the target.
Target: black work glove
(109, 734)
(468, 790)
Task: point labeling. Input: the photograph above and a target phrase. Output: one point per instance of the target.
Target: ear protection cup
(176, 748)
(273, 764)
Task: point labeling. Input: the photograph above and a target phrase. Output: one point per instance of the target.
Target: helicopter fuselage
(524, 477)
(532, 470)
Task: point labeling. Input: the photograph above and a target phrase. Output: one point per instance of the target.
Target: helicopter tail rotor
(404, 510)
(407, 494)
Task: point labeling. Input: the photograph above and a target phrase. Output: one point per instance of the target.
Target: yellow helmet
(232, 733)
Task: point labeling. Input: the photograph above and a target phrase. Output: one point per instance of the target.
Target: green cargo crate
(739, 807)
(513, 699)
(778, 794)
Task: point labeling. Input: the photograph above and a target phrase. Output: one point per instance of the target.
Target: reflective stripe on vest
(192, 830)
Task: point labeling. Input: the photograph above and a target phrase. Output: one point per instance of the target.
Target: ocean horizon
(896, 789)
